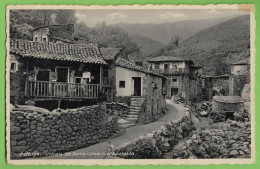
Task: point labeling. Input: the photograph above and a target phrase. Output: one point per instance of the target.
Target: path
(175, 111)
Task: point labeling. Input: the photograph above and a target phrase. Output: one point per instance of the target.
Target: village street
(175, 111)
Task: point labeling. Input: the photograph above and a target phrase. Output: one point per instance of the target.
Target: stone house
(134, 85)
(183, 78)
(53, 71)
(144, 89)
(214, 85)
(239, 77)
(46, 71)
(56, 34)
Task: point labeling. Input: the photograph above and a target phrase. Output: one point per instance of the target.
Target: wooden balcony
(178, 71)
(60, 90)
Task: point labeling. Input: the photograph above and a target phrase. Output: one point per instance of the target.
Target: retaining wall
(59, 131)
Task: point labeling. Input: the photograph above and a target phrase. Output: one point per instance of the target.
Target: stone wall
(17, 81)
(123, 99)
(227, 107)
(59, 131)
(118, 109)
(155, 144)
(155, 101)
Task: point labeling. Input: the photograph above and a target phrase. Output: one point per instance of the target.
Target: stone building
(239, 77)
(183, 78)
(56, 34)
(228, 105)
(143, 89)
(215, 85)
(54, 71)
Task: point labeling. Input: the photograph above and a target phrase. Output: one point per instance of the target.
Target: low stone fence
(118, 109)
(230, 142)
(155, 144)
(58, 131)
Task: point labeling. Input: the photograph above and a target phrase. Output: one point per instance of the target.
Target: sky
(143, 16)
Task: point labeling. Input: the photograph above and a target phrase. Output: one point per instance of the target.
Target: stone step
(132, 119)
(135, 107)
(133, 112)
(132, 116)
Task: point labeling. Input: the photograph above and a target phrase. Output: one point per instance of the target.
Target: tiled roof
(228, 99)
(87, 53)
(242, 62)
(109, 53)
(127, 64)
(167, 58)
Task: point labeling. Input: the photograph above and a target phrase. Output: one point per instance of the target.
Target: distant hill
(147, 46)
(165, 31)
(216, 47)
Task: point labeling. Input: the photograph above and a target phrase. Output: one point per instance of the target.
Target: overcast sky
(111, 16)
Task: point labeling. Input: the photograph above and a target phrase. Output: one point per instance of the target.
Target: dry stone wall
(230, 142)
(58, 131)
(118, 109)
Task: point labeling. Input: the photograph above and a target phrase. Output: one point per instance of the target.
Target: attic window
(121, 84)
(44, 39)
(13, 67)
(174, 80)
(36, 38)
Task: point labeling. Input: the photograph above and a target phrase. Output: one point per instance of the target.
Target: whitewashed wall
(123, 74)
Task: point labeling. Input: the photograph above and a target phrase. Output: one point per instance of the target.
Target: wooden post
(59, 102)
(101, 76)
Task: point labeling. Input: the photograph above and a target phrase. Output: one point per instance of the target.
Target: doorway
(136, 91)
(174, 91)
(62, 74)
(43, 75)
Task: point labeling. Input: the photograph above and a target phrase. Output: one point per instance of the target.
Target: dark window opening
(174, 91)
(62, 74)
(174, 80)
(78, 80)
(43, 75)
(36, 39)
(230, 115)
(165, 66)
(121, 84)
(44, 39)
(13, 66)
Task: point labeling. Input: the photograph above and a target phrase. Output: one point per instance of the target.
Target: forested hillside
(212, 48)
(22, 23)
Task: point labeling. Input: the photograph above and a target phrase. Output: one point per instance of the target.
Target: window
(165, 66)
(13, 67)
(121, 84)
(44, 39)
(174, 80)
(36, 38)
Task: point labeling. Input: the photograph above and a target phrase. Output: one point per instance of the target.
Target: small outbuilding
(228, 105)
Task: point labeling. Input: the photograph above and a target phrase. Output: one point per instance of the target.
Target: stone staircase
(136, 107)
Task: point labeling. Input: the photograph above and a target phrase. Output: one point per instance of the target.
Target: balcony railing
(169, 71)
(44, 89)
